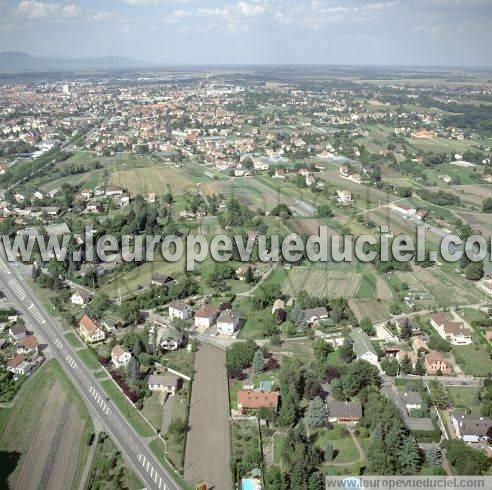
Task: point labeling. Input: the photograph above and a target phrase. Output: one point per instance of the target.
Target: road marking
(3, 268)
(99, 400)
(154, 475)
(72, 363)
(58, 343)
(36, 313)
(17, 288)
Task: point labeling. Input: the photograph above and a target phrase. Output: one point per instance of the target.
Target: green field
(89, 358)
(73, 340)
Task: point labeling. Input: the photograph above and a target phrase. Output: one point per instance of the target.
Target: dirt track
(208, 446)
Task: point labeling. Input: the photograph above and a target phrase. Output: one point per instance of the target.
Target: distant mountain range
(17, 61)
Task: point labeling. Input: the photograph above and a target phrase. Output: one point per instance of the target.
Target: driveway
(208, 444)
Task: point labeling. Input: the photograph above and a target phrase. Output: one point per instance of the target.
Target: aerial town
(249, 375)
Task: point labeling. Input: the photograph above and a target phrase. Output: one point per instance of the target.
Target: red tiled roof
(257, 399)
(88, 324)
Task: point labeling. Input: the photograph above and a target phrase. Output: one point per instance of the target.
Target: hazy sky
(424, 32)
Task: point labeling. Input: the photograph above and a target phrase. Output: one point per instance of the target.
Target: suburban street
(132, 446)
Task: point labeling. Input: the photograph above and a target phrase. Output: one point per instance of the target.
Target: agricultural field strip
(322, 283)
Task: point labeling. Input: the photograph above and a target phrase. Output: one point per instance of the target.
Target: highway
(152, 474)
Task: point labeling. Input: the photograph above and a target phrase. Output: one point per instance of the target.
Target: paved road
(151, 472)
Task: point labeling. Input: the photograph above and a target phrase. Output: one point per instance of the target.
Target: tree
(346, 351)
(321, 349)
(329, 452)
(316, 413)
(258, 361)
(239, 356)
(408, 456)
(487, 205)
(465, 459)
(433, 455)
(406, 330)
(316, 481)
(420, 366)
(367, 326)
(274, 479)
(474, 271)
(137, 348)
(133, 372)
(390, 366)
(406, 365)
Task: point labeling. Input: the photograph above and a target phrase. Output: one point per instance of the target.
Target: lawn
(474, 359)
(367, 287)
(238, 385)
(152, 409)
(278, 441)
(462, 398)
(341, 441)
(89, 358)
(127, 408)
(180, 360)
(73, 340)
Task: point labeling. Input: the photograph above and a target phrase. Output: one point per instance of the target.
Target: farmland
(153, 178)
(374, 309)
(320, 283)
(28, 432)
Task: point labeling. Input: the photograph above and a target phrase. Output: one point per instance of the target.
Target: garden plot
(322, 284)
(376, 310)
(447, 289)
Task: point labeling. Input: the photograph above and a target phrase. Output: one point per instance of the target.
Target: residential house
(313, 315)
(254, 399)
(279, 173)
(170, 338)
(94, 207)
(120, 356)
(472, 428)
(17, 332)
(178, 309)
(455, 332)
(28, 345)
(86, 194)
(80, 297)
(242, 271)
(160, 279)
(407, 211)
(206, 317)
(363, 347)
(165, 383)
(90, 331)
(344, 196)
(434, 362)
(114, 191)
(412, 400)
(422, 214)
(412, 357)
(227, 322)
(18, 365)
(278, 304)
(344, 411)
(420, 345)
(344, 171)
